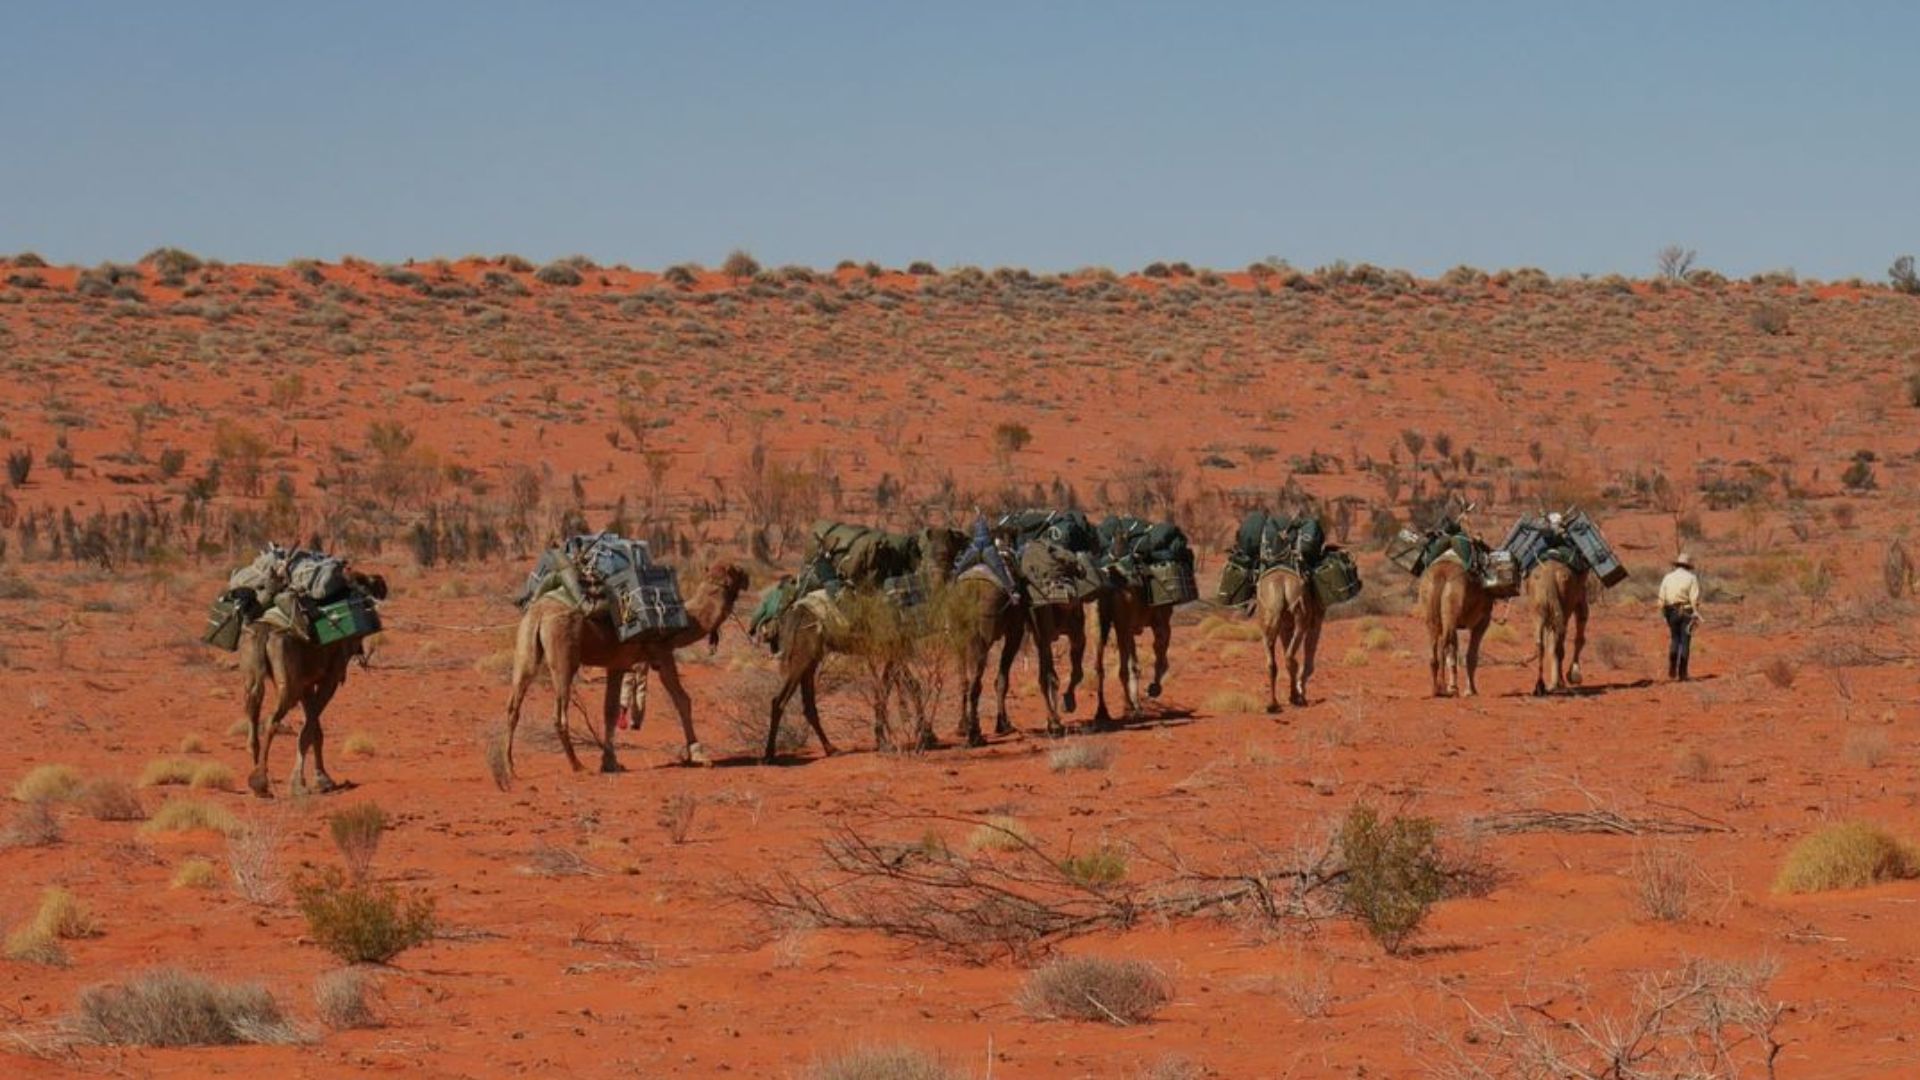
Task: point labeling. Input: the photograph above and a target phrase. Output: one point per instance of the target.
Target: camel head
(373, 585)
(729, 578)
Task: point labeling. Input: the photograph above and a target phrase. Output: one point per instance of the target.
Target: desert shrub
(29, 260)
(356, 833)
(1663, 883)
(32, 825)
(883, 1063)
(171, 263)
(344, 999)
(1694, 763)
(1096, 988)
(1230, 702)
(1859, 472)
(1394, 873)
(212, 776)
(1010, 437)
(361, 922)
(359, 744)
(740, 266)
(400, 275)
(192, 744)
(1103, 865)
(556, 273)
(19, 466)
(922, 268)
(676, 816)
(1866, 747)
(1846, 856)
(111, 800)
(186, 815)
(682, 275)
(172, 460)
(195, 873)
(174, 1008)
(161, 772)
(1000, 833)
(1081, 755)
(1769, 319)
(1780, 672)
(48, 783)
(1901, 273)
(253, 861)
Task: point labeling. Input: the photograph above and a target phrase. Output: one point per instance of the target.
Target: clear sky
(1573, 137)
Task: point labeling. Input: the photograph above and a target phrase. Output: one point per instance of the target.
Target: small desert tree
(1905, 278)
(740, 266)
(1676, 262)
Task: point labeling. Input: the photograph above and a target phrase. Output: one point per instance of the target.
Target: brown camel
(1557, 595)
(1124, 613)
(1050, 622)
(305, 673)
(990, 615)
(562, 636)
(1291, 616)
(1454, 599)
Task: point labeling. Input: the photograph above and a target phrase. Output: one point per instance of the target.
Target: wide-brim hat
(1683, 560)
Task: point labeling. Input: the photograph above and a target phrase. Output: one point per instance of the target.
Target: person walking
(1680, 607)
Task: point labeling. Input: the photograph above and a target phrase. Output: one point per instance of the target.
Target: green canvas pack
(352, 616)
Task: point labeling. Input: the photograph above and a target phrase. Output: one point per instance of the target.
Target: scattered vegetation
(344, 999)
(1120, 992)
(167, 1007)
(362, 922)
(111, 800)
(48, 783)
(1853, 855)
(1394, 873)
(171, 770)
(187, 815)
(356, 833)
(883, 1063)
(195, 872)
(1081, 755)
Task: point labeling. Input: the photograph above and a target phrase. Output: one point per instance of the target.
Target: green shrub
(360, 922)
(558, 273)
(1102, 866)
(1394, 873)
(356, 832)
(1848, 856)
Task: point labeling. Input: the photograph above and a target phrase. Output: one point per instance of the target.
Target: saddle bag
(646, 598)
(1500, 573)
(1335, 578)
(1404, 549)
(225, 620)
(1171, 582)
(352, 616)
(1236, 583)
(1594, 548)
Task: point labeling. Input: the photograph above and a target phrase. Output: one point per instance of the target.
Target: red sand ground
(644, 966)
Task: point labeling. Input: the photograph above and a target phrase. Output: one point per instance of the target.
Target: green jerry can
(349, 617)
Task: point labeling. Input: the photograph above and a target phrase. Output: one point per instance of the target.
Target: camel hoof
(695, 754)
(927, 741)
(1573, 677)
(1153, 690)
(1298, 699)
(259, 785)
(828, 749)
(1004, 726)
(324, 785)
(975, 739)
(1273, 708)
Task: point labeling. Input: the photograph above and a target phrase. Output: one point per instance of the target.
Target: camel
(991, 615)
(1454, 599)
(811, 630)
(303, 672)
(562, 636)
(1291, 616)
(1124, 613)
(1557, 595)
(1049, 622)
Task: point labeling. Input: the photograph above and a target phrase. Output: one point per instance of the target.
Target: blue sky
(1577, 138)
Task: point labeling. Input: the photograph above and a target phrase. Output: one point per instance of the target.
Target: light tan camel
(1123, 614)
(565, 639)
(1291, 616)
(303, 673)
(990, 615)
(1454, 599)
(1557, 595)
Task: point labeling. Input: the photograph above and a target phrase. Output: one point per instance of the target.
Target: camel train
(560, 637)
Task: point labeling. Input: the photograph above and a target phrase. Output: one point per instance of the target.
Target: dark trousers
(1679, 638)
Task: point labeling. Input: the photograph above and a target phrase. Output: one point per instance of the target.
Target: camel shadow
(1588, 690)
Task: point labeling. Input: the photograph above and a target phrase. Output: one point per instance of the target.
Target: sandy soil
(725, 416)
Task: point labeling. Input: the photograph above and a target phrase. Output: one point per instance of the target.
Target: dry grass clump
(1227, 702)
(1121, 992)
(360, 922)
(1780, 672)
(253, 862)
(1000, 833)
(1852, 855)
(32, 825)
(1092, 756)
(186, 815)
(193, 744)
(360, 744)
(1663, 881)
(676, 816)
(111, 800)
(1104, 865)
(173, 1008)
(356, 832)
(212, 776)
(195, 873)
(48, 783)
(883, 1063)
(1171, 1067)
(161, 772)
(345, 999)
(61, 917)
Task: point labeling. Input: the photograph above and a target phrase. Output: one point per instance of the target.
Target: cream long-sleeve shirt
(1680, 587)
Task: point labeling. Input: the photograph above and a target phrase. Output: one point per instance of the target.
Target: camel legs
(810, 706)
(1274, 634)
(1127, 645)
(1076, 630)
(561, 668)
(1009, 652)
(682, 706)
(973, 673)
(1101, 717)
(313, 740)
(1579, 643)
(257, 780)
(1305, 647)
(1043, 635)
(1162, 639)
(1475, 635)
(610, 719)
